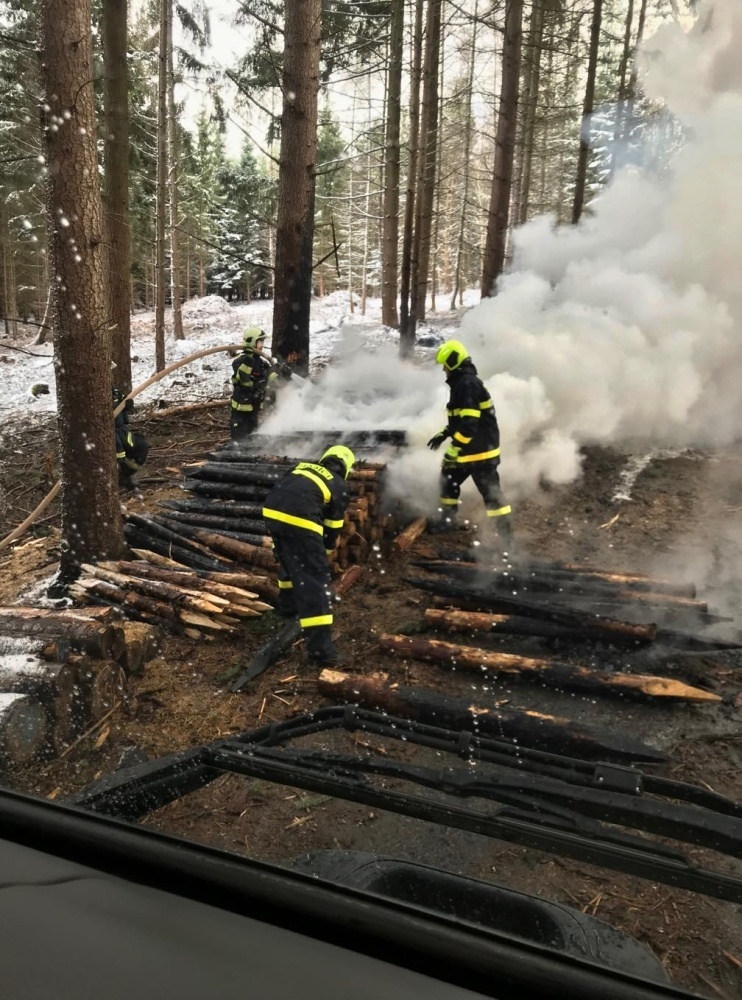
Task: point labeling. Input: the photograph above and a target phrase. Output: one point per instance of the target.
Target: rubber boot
(443, 524)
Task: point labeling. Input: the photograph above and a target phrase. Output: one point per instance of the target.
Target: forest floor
(684, 518)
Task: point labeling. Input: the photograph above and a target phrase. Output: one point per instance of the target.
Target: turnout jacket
(472, 424)
(251, 374)
(309, 498)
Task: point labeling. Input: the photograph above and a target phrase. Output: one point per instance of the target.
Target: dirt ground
(684, 520)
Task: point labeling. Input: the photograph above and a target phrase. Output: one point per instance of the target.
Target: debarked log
(99, 637)
(536, 730)
(143, 643)
(453, 620)
(191, 532)
(407, 538)
(545, 671)
(622, 631)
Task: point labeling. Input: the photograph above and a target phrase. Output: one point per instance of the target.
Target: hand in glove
(450, 457)
(437, 440)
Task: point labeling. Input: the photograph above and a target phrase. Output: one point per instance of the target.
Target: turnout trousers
(487, 480)
(304, 587)
(242, 423)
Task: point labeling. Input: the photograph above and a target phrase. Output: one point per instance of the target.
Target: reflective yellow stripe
(486, 404)
(326, 495)
(298, 522)
(245, 368)
(461, 438)
(120, 454)
(317, 620)
(285, 585)
(468, 413)
(479, 458)
(242, 406)
(447, 502)
(333, 524)
(500, 512)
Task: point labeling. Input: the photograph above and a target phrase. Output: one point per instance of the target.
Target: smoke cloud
(624, 329)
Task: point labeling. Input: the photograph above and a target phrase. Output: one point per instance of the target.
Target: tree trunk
(406, 330)
(467, 154)
(160, 272)
(588, 107)
(10, 301)
(45, 327)
(116, 183)
(390, 249)
(296, 183)
(90, 507)
(174, 160)
(533, 83)
(502, 178)
(426, 167)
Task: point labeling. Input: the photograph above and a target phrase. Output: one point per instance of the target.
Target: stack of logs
(62, 672)
(167, 595)
(223, 522)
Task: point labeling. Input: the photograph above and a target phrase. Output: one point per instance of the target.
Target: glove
(437, 440)
(450, 457)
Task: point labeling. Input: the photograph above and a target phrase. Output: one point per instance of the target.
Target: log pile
(177, 600)
(60, 673)
(229, 489)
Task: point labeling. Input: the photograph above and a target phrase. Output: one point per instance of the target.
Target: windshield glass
(369, 461)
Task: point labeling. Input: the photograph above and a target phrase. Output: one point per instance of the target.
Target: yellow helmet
(343, 454)
(451, 354)
(251, 336)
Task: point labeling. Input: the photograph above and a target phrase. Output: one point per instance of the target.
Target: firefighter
(304, 513)
(131, 447)
(253, 377)
(475, 443)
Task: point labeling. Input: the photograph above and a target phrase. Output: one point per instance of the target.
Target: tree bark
(90, 507)
(173, 162)
(507, 122)
(166, 12)
(390, 248)
(116, 182)
(406, 330)
(426, 167)
(296, 183)
(587, 110)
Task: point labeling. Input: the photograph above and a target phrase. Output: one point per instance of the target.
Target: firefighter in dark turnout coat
(251, 378)
(475, 442)
(304, 513)
(131, 447)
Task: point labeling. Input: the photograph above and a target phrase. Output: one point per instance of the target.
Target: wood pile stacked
(60, 673)
(229, 490)
(177, 600)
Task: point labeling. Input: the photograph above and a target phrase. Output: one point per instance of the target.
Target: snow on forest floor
(207, 321)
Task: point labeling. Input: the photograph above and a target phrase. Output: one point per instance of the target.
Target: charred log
(531, 608)
(531, 729)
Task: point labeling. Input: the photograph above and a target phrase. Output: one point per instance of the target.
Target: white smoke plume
(626, 328)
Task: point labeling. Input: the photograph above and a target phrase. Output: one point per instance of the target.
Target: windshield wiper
(528, 797)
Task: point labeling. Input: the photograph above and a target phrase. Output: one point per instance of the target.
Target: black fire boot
(321, 650)
(444, 524)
